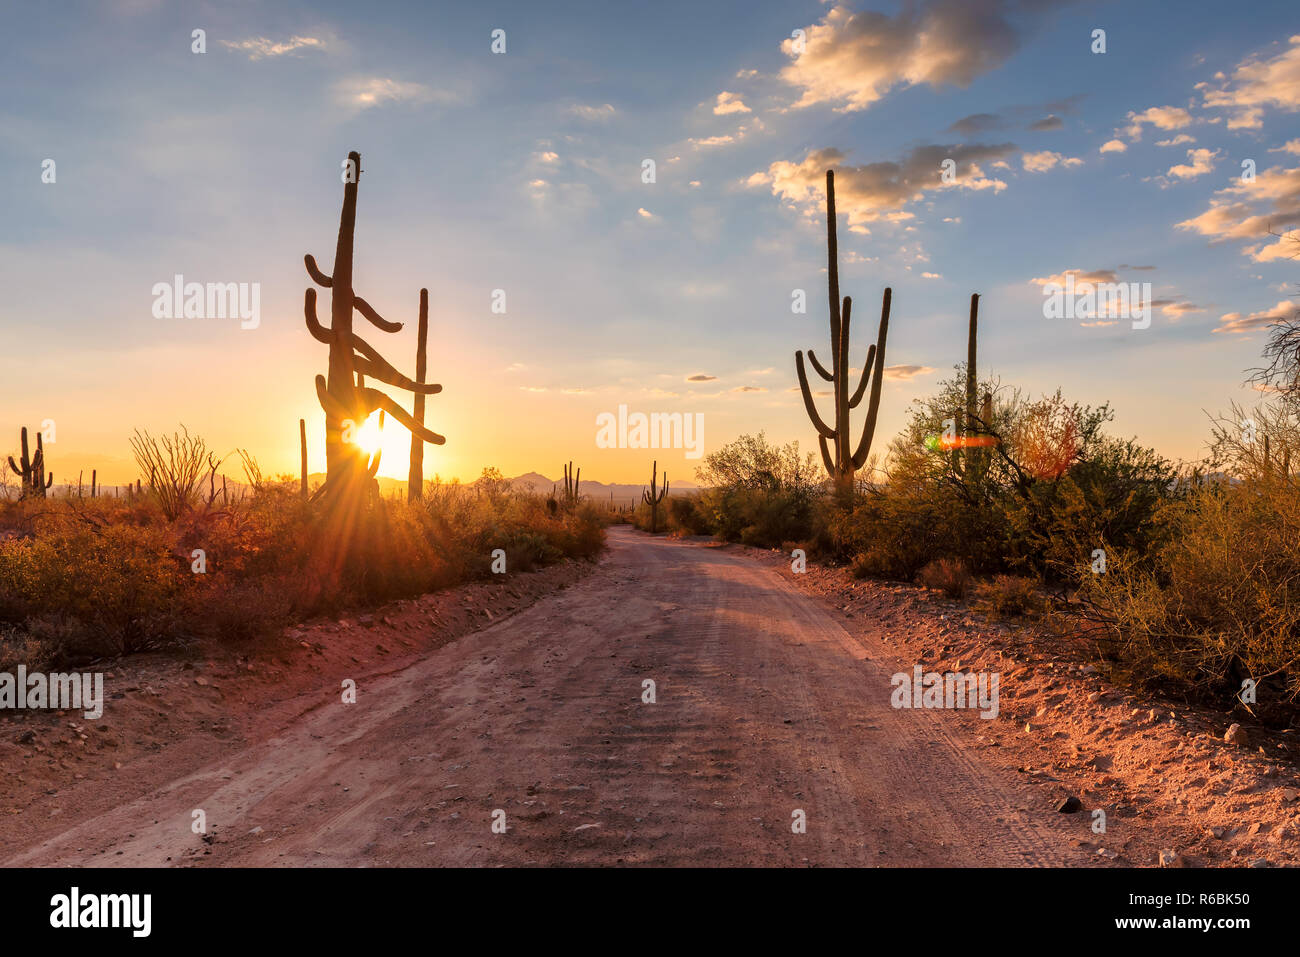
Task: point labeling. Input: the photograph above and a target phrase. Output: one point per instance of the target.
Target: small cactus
(651, 498)
(571, 487)
(32, 470)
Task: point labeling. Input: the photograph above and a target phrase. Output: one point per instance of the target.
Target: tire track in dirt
(765, 705)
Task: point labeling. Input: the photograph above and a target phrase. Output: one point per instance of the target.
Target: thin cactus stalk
(343, 394)
(846, 459)
(94, 483)
(651, 498)
(571, 487)
(302, 455)
(415, 478)
(973, 462)
(31, 470)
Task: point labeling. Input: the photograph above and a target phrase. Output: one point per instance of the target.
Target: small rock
(1290, 794)
(1217, 833)
(1171, 859)
(1070, 805)
(200, 680)
(1259, 862)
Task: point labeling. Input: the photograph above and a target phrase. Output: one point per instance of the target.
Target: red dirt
(773, 696)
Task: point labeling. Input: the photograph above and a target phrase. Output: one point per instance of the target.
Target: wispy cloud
(729, 103)
(259, 48)
(1236, 323)
(363, 92)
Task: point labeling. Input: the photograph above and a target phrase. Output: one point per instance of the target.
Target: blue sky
(522, 171)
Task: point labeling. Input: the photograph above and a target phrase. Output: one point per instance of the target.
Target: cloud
(1113, 146)
(729, 103)
(1202, 162)
(548, 157)
(594, 113)
(1161, 117)
(905, 373)
(1252, 211)
(1080, 276)
(647, 215)
(363, 92)
(1175, 308)
(1045, 160)
(976, 123)
(1256, 83)
(931, 275)
(749, 388)
(1178, 140)
(701, 377)
(1049, 122)
(853, 59)
(1236, 323)
(879, 190)
(1291, 146)
(712, 141)
(259, 48)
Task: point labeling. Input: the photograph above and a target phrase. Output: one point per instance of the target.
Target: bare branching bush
(174, 468)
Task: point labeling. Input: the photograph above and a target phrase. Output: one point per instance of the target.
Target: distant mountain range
(536, 482)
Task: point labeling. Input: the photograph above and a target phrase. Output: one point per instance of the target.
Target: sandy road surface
(765, 705)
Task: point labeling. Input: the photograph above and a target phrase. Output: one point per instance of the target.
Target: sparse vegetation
(83, 579)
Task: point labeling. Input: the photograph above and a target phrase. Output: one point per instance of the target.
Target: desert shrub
(685, 515)
(949, 576)
(759, 494)
(1009, 596)
(1217, 602)
(85, 579)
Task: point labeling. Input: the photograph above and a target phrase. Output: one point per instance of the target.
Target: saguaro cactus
(846, 459)
(343, 395)
(32, 470)
(415, 477)
(302, 454)
(571, 487)
(652, 499)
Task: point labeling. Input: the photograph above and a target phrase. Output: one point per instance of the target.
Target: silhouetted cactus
(969, 460)
(415, 477)
(844, 463)
(32, 470)
(571, 487)
(302, 448)
(652, 499)
(343, 395)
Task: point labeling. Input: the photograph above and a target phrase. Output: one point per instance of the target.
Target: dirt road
(764, 706)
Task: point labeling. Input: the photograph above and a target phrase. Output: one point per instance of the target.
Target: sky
(523, 171)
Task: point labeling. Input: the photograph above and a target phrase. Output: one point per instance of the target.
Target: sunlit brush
(936, 443)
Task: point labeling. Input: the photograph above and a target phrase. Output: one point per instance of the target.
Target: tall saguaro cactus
(651, 498)
(415, 477)
(343, 395)
(971, 459)
(846, 459)
(32, 470)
